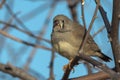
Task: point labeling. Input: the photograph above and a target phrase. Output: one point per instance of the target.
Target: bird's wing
(78, 34)
(92, 45)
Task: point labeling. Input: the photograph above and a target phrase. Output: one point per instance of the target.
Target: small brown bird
(67, 37)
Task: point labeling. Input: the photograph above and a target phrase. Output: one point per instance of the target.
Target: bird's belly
(66, 49)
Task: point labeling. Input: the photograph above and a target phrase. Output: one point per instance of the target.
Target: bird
(67, 36)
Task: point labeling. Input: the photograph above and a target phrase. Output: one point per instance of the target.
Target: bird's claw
(68, 66)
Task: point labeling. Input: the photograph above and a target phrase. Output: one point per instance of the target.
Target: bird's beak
(59, 23)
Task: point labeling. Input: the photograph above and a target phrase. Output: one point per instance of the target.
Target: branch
(26, 32)
(15, 72)
(35, 12)
(29, 60)
(100, 30)
(82, 12)
(51, 77)
(88, 67)
(16, 18)
(95, 76)
(6, 27)
(72, 5)
(45, 25)
(95, 63)
(23, 42)
(101, 66)
(104, 16)
(115, 34)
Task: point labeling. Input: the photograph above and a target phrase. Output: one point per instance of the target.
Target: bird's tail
(104, 57)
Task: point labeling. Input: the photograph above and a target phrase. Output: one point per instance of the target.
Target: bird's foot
(68, 66)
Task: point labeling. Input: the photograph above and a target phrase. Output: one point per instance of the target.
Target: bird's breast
(65, 49)
(64, 46)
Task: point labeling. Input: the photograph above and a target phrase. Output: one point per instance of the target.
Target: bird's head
(61, 23)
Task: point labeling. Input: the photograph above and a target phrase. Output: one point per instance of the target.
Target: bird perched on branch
(67, 37)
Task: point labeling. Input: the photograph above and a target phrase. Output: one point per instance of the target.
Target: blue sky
(42, 57)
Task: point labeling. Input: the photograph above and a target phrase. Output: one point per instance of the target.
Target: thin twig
(95, 76)
(31, 14)
(104, 16)
(5, 27)
(23, 42)
(72, 6)
(45, 25)
(52, 66)
(100, 30)
(16, 18)
(83, 16)
(9, 22)
(29, 60)
(26, 32)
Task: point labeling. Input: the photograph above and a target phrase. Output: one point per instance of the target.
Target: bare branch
(26, 32)
(95, 76)
(29, 60)
(72, 5)
(95, 63)
(101, 66)
(100, 30)
(34, 12)
(83, 16)
(114, 34)
(88, 67)
(104, 16)
(21, 41)
(16, 72)
(16, 18)
(45, 25)
(52, 66)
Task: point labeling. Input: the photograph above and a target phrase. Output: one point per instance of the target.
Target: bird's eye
(59, 23)
(56, 22)
(63, 21)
